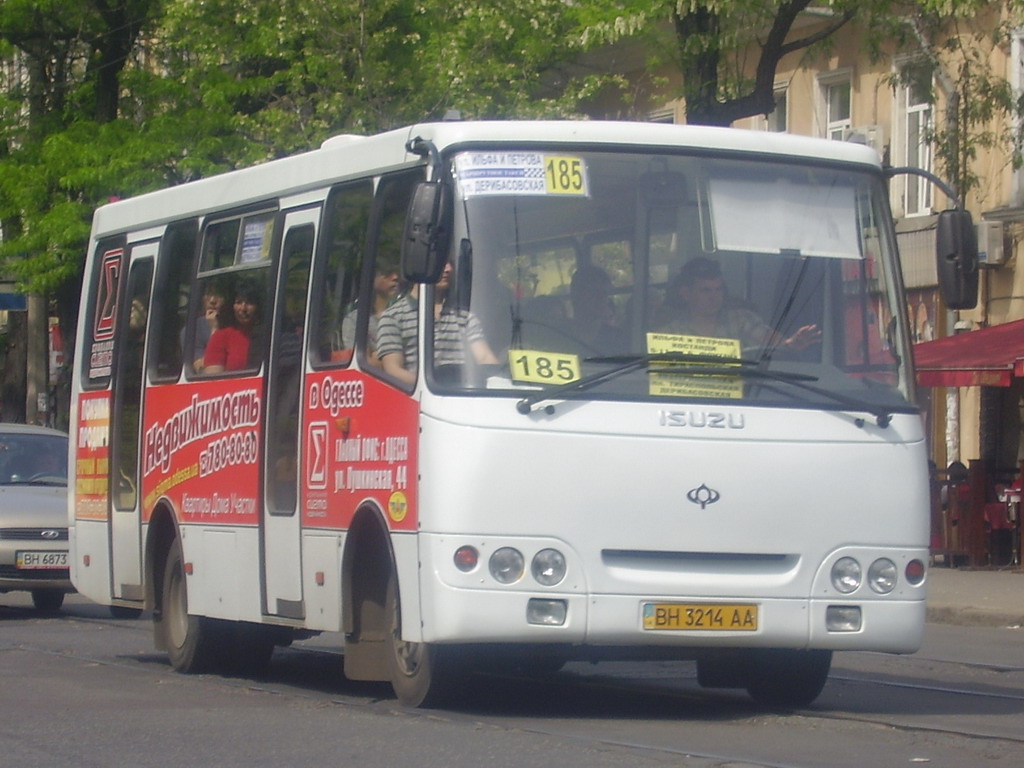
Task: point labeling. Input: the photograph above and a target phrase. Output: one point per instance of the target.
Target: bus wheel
(193, 642)
(47, 599)
(786, 679)
(421, 673)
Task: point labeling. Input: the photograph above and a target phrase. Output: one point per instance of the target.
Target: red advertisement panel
(360, 443)
(92, 465)
(201, 449)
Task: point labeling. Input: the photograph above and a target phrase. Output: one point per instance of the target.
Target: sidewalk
(984, 598)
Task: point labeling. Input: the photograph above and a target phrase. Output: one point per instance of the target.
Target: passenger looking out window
(215, 314)
(231, 348)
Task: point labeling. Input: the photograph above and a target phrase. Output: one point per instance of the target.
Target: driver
(697, 308)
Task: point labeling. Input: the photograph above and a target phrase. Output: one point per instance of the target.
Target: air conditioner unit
(869, 135)
(990, 243)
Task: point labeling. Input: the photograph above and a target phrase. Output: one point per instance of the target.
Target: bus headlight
(548, 567)
(506, 565)
(882, 576)
(846, 575)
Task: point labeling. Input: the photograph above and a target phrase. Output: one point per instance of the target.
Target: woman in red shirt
(228, 348)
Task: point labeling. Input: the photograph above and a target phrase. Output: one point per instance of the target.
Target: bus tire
(421, 673)
(194, 643)
(788, 679)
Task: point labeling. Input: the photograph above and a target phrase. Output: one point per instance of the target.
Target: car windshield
(622, 274)
(27, 459)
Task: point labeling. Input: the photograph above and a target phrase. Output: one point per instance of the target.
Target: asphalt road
(83, 689)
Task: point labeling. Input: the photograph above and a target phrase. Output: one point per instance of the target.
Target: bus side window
(169, 314)
(338, 270)
(394, 328)
(236, 248)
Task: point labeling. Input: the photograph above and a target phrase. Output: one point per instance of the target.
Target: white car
(34, 513)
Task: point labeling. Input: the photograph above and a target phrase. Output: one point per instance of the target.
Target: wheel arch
(161, 533)
(368, 562)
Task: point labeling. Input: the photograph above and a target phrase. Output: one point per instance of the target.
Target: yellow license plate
(708, 617)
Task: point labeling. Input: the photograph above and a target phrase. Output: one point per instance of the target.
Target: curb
(972, 617)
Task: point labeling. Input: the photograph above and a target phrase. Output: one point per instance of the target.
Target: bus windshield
(668, 277)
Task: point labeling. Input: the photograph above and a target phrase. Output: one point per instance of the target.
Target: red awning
(988, 357)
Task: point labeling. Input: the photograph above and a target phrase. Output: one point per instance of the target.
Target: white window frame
(831, 126)
(916, 193)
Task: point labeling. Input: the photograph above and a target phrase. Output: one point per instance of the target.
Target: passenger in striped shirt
(455, 331)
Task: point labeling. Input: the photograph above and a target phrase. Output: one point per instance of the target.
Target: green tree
(981, 110)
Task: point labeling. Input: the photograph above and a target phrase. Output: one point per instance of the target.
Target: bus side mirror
(427, 232)
(956, 254)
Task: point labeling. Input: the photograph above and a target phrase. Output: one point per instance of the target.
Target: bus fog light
(882, 576)
(843, 618)
(506, 565)
(846, 575)
(466, 558)
(550, 613)
(548, 567)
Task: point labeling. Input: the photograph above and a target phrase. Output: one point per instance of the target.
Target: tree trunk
(12, 380)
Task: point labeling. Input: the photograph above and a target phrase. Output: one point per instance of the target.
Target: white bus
(510, 392)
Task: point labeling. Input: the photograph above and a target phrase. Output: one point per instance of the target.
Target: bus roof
(349, 156)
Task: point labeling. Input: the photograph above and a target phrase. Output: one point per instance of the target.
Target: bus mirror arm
(956, 245)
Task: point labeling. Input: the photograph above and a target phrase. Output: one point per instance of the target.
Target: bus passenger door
(128, 389)
(282, 563)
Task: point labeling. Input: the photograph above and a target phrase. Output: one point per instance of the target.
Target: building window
(778, 121)
(667, 115)
(838, 109)
(914, 121)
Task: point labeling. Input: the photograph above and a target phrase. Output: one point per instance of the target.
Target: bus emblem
(703, 496)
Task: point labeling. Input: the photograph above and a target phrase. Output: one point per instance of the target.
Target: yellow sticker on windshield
(543, 367)
(565, 175)
(713, 387)
(661, 343)
(717, 387)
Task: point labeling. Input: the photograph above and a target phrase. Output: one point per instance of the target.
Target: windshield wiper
(627, 363)
(704, 365)
(883, 415)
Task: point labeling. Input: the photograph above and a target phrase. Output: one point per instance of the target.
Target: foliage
(105, 98)
(953, 43)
